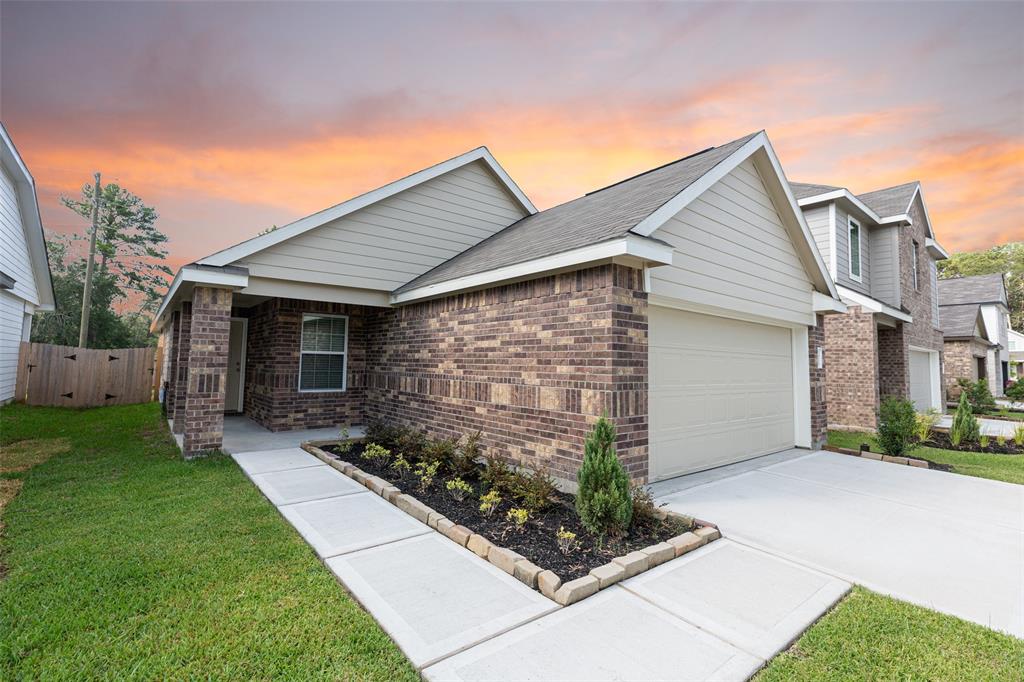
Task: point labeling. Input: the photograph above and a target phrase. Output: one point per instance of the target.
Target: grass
(868, 636)
(1009, 468)
(124, 561)
(1004, 414)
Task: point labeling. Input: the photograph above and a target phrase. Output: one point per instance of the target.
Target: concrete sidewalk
(716, 613)
(989, 427)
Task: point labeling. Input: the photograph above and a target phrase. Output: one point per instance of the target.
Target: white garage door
(922, 380)
(721, 391)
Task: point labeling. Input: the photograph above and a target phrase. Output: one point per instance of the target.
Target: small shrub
(459, 489)
(400, 465)
(566, 541)
(1015, 391)
(489, 502)
(1018, 434)
(426, 471)
(410, 443)
(981, 397)
(1001, 441)
(645, 511)
(440, 451)
(496, 474)
(518, 518)
(384, 433)
(965, 427)
(467, 454)
(897, 426)
(344, 445)
(534, 491)
(603, 502)
(983, 441)
(924, 423)
(376, 453)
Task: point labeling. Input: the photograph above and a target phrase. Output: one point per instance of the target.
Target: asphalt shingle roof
(802, 190)
(958, 321)
(891, 200)
(599, 216)
(975, 289)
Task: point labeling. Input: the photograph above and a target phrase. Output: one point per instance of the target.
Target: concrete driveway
(948, 542)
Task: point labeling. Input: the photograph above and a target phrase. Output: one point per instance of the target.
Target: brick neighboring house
(686, 303)
(987, 294)
(967, 345)
(881, 253)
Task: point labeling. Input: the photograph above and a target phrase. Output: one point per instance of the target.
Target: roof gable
(259, 243)
(962, 321)
(978, 289)
(891, 201)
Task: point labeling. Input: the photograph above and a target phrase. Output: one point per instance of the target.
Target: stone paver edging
(547, 582)
(878, 457)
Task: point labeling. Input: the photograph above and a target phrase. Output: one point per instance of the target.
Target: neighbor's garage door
(721, 390)
(921, 380)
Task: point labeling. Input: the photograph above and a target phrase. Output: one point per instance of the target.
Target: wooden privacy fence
(84, 377)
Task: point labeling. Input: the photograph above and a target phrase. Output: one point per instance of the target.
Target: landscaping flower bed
(992, 444)
(519, 522)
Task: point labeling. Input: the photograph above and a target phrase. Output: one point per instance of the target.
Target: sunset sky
(230, 118)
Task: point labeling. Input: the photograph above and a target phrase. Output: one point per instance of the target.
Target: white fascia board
(826, 304)
(851, 297)
(845, 194)
(927, 218)
(286, 232)
(641, 248)
(195, 275)
(673, 206)
(935, 249)
(25, 185)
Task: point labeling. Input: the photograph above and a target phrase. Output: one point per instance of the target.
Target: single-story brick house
(967, 345)
(685, 303)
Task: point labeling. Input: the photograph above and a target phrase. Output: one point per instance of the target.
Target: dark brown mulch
(537, 541)
(940, 439)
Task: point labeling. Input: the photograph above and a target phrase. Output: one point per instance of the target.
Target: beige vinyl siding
(843, 253)
(885, 278)
(733, 252)
(817, 218)
(14, 258)
(12, 320)
(389, 243)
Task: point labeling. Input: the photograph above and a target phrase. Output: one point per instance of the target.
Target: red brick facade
(893, 362)
(960, 361)
(531, 365)
(180, 384)
(851, 359)
(819, 404)
(272, 395)
(207, 370)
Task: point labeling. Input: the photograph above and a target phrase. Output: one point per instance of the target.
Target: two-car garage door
(721, 390)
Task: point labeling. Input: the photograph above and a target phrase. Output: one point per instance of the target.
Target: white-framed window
(917, 266)
(324, 353)
(853, 235)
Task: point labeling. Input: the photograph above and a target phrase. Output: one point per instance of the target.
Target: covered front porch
(242, 434)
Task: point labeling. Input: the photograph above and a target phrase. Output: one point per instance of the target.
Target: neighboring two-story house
(988, 294)
(1016, 354)
(881, 251)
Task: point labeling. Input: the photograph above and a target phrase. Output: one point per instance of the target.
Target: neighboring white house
(1016, 340)
(25, 285)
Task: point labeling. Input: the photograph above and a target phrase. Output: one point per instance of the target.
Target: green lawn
(1005, 414)
(871, 637)
(123, 561)
(1009, 468)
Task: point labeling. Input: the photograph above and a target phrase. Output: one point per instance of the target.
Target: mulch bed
(537, 540)
(940, 439)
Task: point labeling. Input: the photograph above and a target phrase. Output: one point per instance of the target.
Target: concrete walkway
(989, 427)
(717, 613)
(948, 542)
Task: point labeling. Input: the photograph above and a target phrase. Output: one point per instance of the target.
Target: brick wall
(207, 369)
(922, 331)
(171, 369)
(532, 365)
(181, 376)
(960, 360)
(272, 395)
(851, 361)
(893, 362)
(819, 404)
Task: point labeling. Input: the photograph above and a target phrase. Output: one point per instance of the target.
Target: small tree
(603, 501)
(965, 427)
(981, 397)
(897, 426)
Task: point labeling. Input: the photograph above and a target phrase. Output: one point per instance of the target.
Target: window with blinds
(324, 346)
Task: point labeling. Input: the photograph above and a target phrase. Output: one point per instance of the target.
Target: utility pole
(83, 330)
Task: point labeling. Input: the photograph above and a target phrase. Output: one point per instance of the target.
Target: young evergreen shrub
(603, 502)
(1015, 391)
(897, 426)
(965, 427)
(981, 397)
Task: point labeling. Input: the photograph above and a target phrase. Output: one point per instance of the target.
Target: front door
(236, 365)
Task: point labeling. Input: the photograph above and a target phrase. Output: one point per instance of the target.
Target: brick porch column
(181, 367)
(207, 370)
(893, 363)
(819, 406)
(174, 342)
(851, 374)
